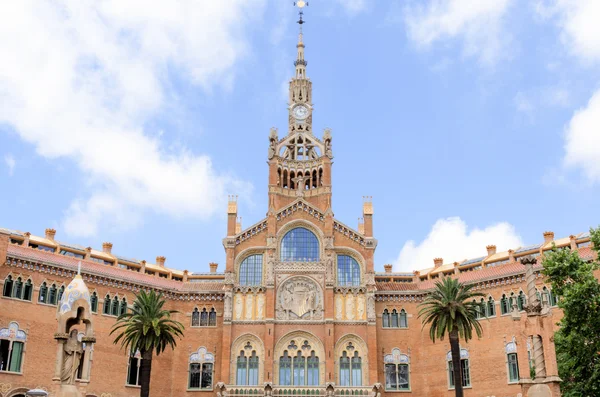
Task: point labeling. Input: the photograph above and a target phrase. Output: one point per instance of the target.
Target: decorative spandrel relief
(260, 307)
(249, 306)
(360, 307)
(350, 307)
(339, 307)
(239, 307)
(299, 298)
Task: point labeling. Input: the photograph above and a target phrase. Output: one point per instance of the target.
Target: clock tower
(300, 162)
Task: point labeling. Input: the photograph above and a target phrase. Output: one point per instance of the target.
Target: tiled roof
(392, 286)
(94, 268)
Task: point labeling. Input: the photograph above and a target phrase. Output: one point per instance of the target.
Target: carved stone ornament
(271, 243)
(299, 298)
(270, 279)
(329, 242)
(228, 306)
(371, 307)
(229, 278)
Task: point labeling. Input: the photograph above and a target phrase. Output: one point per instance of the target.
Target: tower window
(299, 245)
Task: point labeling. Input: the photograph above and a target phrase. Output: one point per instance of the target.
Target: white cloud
(80, 78)
(477, 23)
(579, 23)
(582, 140)
(452, 240)
(10, 162)
(353, 6)
(523, 103)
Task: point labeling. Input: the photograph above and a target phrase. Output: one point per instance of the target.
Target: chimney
(143, 269)
(573, 242)
(231, 215)
(213, 267)
(456, 271)
(388, 268)
(26, 239)
(368, 215)
(185, 276)
(548, 237)
(88, 253)
(238, 225)
(107, 247)
(437, 262)
(417, 276)
(50, 233)
(160, 261)
(361, 225)
(511, 255)
(491, 249)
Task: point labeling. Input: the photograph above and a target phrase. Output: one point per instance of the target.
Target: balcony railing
(298, 391)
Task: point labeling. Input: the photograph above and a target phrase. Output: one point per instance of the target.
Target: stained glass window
(299, 245)
(348, 271)
(251, 270)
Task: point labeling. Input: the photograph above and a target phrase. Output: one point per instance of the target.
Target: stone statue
(249, 306)
(272, 143)
(238, 306)
(361, 307)
(350, 307)
(338, 307)
(73, 349)
(260, 307)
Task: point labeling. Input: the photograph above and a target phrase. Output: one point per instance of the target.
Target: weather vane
(301, 4)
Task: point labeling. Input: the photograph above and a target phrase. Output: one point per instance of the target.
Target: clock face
(300, 112)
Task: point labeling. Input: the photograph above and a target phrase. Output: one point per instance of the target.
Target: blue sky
(470, 123)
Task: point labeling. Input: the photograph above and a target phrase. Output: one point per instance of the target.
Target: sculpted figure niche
(73, 349)
(299, 298)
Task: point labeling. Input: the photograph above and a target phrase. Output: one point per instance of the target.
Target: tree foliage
(451, 309)
(147, 328)
(578, 338)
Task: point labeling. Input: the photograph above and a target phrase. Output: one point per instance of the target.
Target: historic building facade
(299, 309)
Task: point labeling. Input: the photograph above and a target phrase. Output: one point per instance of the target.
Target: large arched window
(348, 271)
(133, 369)
(12, 342)
(247, 367)
(464, 364)
(201, 370)
(396, 371)
(350, 367)
(299, 365)
(251, 270)
(299, 245)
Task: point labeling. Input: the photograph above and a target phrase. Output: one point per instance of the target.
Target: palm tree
(451, 308)
(147, 328)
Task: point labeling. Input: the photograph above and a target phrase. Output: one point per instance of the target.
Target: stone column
(533, 304)
(61, 338)
(87, 357)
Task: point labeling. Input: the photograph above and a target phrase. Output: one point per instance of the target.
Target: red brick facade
(295, 301)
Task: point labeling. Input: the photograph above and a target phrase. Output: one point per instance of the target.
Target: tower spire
(300, 62)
